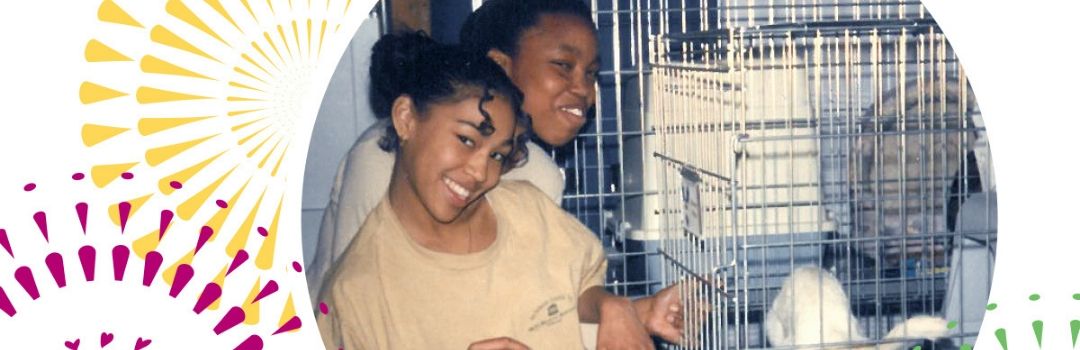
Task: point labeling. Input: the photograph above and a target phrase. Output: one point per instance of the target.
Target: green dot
(951, 325)
(1034, 297)
(917, 347)
(967, 347)
(991, 306)
(1076, 296)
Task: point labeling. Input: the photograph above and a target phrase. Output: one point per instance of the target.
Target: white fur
(820, 313)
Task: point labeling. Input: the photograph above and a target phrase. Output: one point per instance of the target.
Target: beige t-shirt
(388, 292)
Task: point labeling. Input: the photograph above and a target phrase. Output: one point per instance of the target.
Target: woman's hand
(501, 343)
(662, 314)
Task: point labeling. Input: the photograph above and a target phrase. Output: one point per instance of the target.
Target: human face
(448, 162)
(555, 67)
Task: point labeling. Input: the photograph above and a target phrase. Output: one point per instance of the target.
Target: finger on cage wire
(698, 293)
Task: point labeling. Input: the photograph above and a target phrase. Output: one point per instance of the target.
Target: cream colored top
(362, 180)
(389, 292)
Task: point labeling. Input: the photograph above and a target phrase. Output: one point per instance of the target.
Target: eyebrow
(509, 141)
(574, 51)
(571, 49)
(470, 123)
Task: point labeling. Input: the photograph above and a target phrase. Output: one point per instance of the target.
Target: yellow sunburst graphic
(206, 97)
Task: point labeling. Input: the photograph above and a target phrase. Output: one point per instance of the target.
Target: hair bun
(394, 60)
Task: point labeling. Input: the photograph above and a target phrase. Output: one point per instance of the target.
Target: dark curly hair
(498, 24)
(415, 65)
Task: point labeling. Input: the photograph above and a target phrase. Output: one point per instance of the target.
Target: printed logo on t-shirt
(551, 312)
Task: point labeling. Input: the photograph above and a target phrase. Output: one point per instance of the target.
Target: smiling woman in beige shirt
(450, 260)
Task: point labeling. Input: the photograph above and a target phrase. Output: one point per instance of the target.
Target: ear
(502, 59)
(404, 115)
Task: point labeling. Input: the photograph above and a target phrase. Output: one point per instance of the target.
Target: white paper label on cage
(691, 197)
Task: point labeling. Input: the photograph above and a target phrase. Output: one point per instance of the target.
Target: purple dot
(77, 176)
(29, 187)
(324, 309)
(296, 266)
(262, 231)
(175, 184)
(127, 175)
(222, 204)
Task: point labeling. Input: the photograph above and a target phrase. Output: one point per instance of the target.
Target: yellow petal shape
(96, 51)
(322, 35)
(249, 137)
(241, 99)
(269, 153)
(242, 125)
(181, 11)
(183, 176)
(110, 12)
(220, 280)
(151, 64)
(93, 134)
(170, 273)
(244, 72)
(136, 204)
(288, 312)
(104, 174)
(92, 93)
(147, 95)
(251, 310)
(265, 258)
(146, 243)
(242, 86)
(163, 36)
(248, 7)
(218, 219)
(187, 209)
(155, 156)
(278, 164)
(221, 10)
(239, 240)
(148, 126)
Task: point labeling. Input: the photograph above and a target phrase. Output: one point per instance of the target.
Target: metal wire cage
(841, 145)
(734, 141)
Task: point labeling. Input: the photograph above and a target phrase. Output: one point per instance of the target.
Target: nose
(582, 85)
(477, 167)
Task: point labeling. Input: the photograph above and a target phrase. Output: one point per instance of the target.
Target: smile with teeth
(456, 188)
(578, 112)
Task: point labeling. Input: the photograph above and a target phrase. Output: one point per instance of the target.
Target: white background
(1019, 57)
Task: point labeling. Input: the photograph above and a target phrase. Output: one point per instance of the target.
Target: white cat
(820, 313)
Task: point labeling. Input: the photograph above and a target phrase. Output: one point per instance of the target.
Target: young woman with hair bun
(548, 50)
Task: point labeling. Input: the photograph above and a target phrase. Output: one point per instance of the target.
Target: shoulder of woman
(516, 191)
(518, 196)
(541, 171)
(527, 207)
